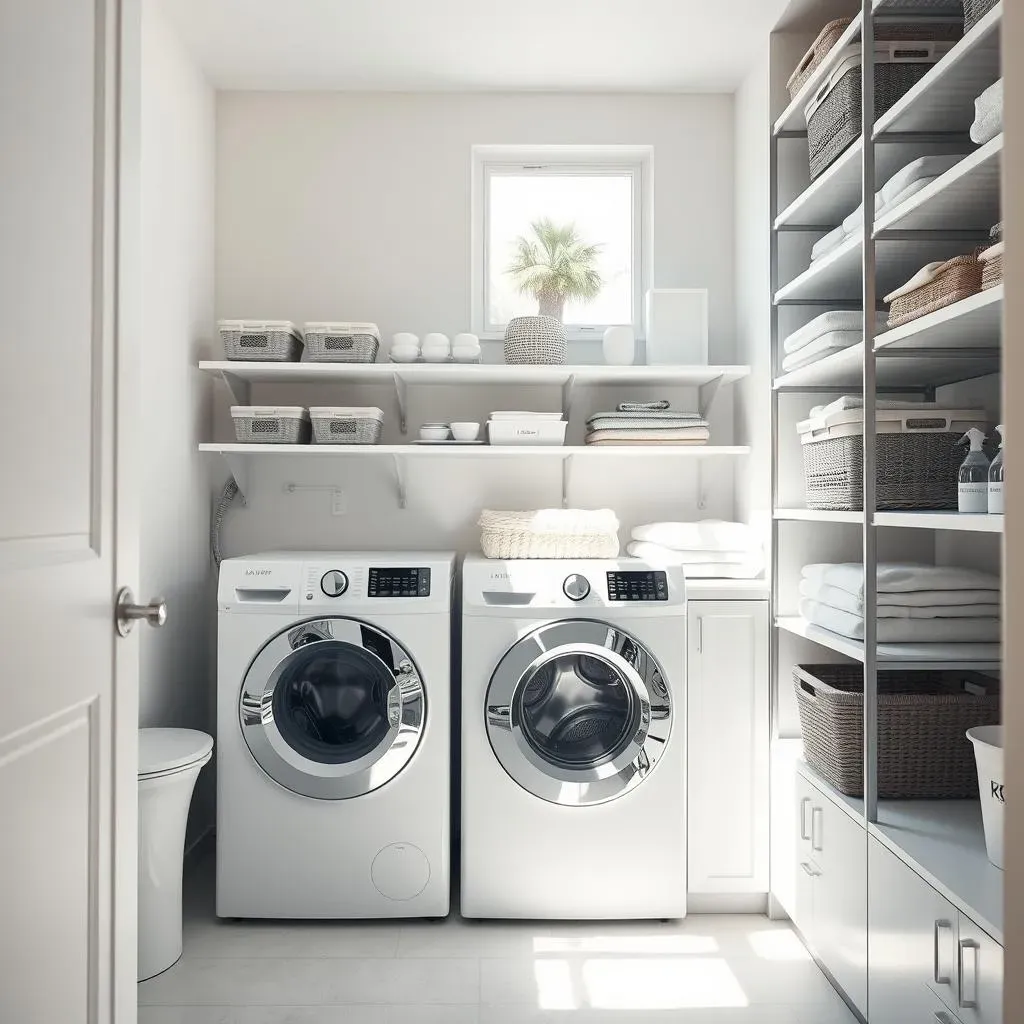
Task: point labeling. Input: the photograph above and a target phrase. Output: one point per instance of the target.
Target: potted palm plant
(554, 265)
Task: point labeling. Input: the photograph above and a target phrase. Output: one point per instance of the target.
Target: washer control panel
(650, 585)
(576, 587)
(398, 582)
(334, 583)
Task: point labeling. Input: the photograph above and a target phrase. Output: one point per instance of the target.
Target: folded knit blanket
(694, 435)
(660, 405)
(957, 608)
(896, 631)
(655, 421)
(899, 578)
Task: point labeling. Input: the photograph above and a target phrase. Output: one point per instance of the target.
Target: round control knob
(334, 583)
(576, 587)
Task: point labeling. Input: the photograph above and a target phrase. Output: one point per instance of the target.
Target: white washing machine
(573, 740)
(333, 721)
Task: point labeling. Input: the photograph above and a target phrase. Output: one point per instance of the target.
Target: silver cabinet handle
(817, 816)
(128, 612)
(974, 948)
(808, 870)
(700, 634)
(940, 979)
(941, 1017)
(803, 817)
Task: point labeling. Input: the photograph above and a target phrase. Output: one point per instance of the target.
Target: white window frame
(635, 161)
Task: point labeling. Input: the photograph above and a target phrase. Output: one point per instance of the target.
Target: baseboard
(199, 848)
(727, 903)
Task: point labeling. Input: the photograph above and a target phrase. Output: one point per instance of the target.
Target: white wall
(350, 206)
(178, 274)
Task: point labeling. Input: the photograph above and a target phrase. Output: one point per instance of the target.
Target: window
(560, 231)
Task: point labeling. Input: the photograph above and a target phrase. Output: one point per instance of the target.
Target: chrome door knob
(576, 587)
(128, 612)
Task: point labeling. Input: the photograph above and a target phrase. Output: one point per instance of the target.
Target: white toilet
(169, 764)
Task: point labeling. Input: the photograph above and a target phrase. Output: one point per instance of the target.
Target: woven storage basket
(956, 279)
(915, 472)
(261, 340)
(975, 10)
(549, 533)
(268, 424)
(923, 718)
(535, 339)
(819, 49)
(346, 425)
(342, 342)
(992, 275)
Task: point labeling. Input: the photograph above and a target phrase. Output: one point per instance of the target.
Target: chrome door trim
(406, 702)
(577, 787)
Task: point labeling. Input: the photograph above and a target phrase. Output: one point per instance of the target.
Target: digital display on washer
(637, 586)
(392, 582)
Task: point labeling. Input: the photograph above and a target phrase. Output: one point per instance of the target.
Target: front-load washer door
(578, 712)
(332, 708)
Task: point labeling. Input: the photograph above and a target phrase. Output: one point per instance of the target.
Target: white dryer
(573, 740)
(333, 721)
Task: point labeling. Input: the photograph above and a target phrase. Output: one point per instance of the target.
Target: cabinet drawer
(937, 1012)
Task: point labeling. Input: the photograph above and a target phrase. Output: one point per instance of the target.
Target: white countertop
(727, 590)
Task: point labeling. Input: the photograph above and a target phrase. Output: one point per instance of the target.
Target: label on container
(973, 497)
(996, 503)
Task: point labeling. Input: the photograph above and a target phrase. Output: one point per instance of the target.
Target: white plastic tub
(531, 431)
(988, 752)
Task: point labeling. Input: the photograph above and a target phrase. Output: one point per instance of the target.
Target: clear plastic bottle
(972, 480)
(996, 503)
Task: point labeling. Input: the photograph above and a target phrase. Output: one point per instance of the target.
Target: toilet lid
(164, 750)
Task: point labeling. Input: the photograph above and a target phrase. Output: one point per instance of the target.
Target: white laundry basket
(988, 751)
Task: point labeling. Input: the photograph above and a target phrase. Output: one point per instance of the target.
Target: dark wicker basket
(916, 471)
(923, 718)
(975, 10)
(836, 123)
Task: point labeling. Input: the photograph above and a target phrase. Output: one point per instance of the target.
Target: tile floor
(704, 970)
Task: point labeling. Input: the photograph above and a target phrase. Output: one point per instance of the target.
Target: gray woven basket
(271, 429)
(837, 122)
(254, 342)
(923, 718)
(916, 471)
(975, 10)
(341, 348)
(535, 339)
(356, 430)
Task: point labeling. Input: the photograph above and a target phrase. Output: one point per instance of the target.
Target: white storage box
(271, 424)
(261, 340)
(910, 419)
(988, 752)
(346, 424)
(531, 431)
(342, 342)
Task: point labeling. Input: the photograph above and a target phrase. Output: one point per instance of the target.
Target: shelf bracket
(566, 479)
(239, 467)
(567, 390)
(400, 480)
(707, 394)
(402, 400)
(240, 389)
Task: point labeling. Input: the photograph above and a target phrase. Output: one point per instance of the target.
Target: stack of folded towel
(707, 549)
(916, 603)
(647, 423)
(988, 120)
(824, 335)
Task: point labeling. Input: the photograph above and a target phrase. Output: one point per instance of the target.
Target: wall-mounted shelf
(975, 322)
(983, 657)
(811, 515)
(240, 456)
(944, 99)
(941, 521)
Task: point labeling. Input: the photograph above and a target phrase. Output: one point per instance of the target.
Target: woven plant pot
(923, 718)
(535, 339)
(956, 279)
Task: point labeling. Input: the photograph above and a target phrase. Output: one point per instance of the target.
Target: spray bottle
(996, 504)
(972, 480)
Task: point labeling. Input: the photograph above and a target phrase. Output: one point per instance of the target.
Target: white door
(728, 733)
(68, 715)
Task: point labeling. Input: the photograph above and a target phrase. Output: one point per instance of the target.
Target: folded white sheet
(697, 556)
(709, 534)
(857, 402)
(897, 631)
(899, 577)
(836, 598)
(817, 350)
(827, 323)
(988, 121)
(749, 569)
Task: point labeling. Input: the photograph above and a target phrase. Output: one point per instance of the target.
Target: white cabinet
(728, 736)
(928, 961)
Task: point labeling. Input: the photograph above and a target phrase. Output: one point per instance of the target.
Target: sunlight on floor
(778, 944)
(678, 945)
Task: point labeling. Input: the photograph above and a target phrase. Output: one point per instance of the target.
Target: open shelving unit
(941, 840)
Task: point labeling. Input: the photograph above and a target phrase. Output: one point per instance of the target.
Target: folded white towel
(988, 121)
(654, 554)
(899, 577)
(837, 341)
(848, 402)
(888, 609)
(697, 556)
(709, 534)
(834, 320)
(897, 631)
(925, 275)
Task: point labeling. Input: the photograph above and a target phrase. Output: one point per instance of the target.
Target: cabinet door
(728, 736)
(979, 970)
(912, 940)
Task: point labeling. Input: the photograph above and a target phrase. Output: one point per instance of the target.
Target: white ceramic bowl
(403, 338)
(436, 338)
(465, 431)
(405, 353)
(436, 354)
(461, 340)
(435, 433)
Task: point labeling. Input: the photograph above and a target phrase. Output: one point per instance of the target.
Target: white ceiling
(445, 45)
